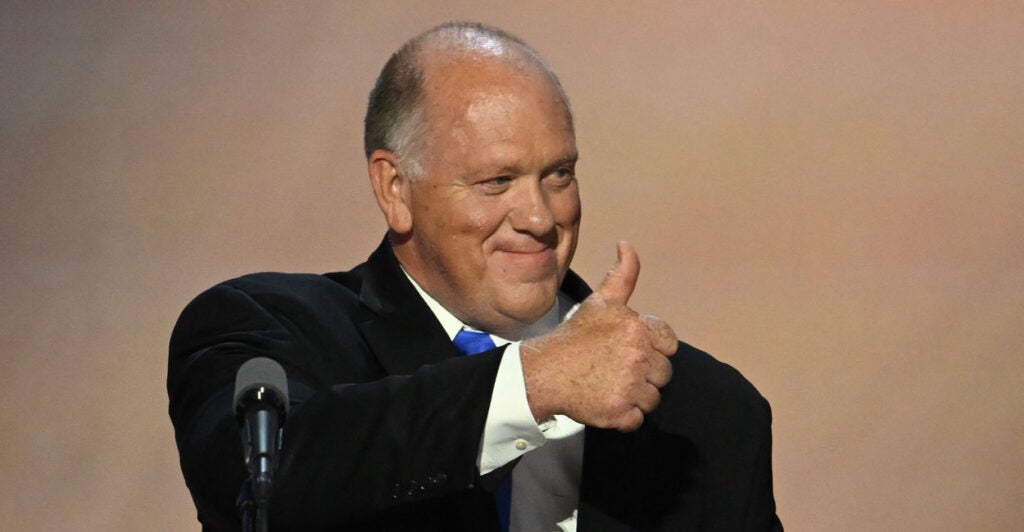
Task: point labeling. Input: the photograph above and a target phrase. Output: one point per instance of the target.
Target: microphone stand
(254, 516)
(261, 406)
(261, 450)
(246, 506)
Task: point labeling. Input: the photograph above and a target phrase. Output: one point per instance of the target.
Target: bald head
(395, 117)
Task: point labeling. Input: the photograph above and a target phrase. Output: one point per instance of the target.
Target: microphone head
(261, 379)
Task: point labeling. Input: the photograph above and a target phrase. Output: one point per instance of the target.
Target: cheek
(565, 208)
(476, 222)
(483, 219)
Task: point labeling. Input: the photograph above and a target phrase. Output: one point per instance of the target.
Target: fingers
(663, 338)
(645, 400)
(619, 282)
(631, 421)
(664, 343)
(660, 371)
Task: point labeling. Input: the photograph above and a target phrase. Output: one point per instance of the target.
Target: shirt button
(521, 445)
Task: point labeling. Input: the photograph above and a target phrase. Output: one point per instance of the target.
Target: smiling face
(490, 226)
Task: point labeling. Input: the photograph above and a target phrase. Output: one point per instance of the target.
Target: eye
(496, 185)
(563, 176)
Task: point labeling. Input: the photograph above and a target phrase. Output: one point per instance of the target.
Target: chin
(530, 305)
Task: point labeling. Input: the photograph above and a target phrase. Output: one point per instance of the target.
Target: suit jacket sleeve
(361, 438)
(701, 461)
(761, 514)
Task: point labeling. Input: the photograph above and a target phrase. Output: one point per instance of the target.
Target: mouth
(536, 260)
(527, 251)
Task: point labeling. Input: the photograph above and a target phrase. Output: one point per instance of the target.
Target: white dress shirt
(545, 482)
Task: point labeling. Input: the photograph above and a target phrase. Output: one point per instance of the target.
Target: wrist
(536, 379)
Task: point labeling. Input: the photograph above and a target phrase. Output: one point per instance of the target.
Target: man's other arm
(351, 449)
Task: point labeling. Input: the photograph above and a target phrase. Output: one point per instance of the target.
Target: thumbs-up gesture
(604, 366)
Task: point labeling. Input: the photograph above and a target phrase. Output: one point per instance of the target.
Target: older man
(552, 421)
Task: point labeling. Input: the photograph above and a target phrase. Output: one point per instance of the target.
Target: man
(586, 415)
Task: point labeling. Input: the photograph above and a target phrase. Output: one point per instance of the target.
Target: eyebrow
(563, 161)
(568, 159)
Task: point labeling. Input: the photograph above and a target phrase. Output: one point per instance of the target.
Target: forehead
(452, 75)
(470, 99)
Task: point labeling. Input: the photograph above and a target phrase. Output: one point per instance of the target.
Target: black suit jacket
(386, 419)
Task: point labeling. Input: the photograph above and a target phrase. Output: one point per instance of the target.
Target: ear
(390, 186)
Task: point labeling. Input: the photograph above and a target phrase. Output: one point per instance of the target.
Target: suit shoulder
(254, 300)
(702, 384)
(264, 284)
(309, 289)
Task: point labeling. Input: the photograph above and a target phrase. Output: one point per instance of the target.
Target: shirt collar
(560, 311)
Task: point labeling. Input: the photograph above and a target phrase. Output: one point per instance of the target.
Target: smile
(535, 259)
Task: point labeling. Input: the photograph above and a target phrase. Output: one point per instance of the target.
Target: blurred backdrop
(827, 195)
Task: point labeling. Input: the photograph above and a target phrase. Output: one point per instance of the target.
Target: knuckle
(651, 399)
(660, 375)
(633, 420)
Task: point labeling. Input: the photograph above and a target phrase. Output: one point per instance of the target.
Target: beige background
(828, 195)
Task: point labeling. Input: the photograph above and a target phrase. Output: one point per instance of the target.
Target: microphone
(261, 406)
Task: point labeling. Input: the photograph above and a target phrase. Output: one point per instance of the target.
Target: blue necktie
(471, 343)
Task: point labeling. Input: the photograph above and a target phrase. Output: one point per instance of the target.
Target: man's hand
(603, 367)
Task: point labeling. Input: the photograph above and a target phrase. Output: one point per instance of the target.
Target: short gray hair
(394, 118)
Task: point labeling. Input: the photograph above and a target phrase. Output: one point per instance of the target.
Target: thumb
(619, 282)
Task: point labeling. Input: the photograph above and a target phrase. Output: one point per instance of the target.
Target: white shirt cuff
(510, 430)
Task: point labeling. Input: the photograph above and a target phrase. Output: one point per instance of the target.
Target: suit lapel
(402, 332)
(574, 287)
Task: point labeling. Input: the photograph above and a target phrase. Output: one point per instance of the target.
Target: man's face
(496, 212)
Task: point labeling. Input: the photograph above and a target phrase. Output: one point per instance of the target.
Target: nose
(531, 210)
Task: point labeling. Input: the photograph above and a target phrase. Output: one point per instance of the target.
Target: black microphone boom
(261, 406)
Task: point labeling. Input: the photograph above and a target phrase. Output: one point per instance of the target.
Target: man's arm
(350, 449)
(606, 367)
(762, 514)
